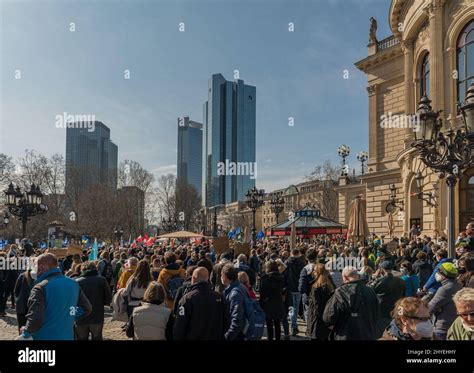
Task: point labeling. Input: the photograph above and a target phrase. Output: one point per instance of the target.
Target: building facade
(190, 152)
(91, 157)
(431, 52)
(229, 147)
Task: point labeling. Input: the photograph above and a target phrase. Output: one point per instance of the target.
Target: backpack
(173, 284)
(254, 317)
(107, 271)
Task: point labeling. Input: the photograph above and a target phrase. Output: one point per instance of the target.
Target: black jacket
(206, 264)
(389, 289)
(271, 295)
(249, 271)
(353, 310)
(318, 299)
(22, 292)
(294, 265)
(97, 290)
(201, 314)
(423, 270)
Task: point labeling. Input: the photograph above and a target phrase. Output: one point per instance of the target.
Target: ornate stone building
(430, 52)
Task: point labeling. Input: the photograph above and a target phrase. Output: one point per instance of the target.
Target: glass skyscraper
(190, 152)
(229, 135)
(91, 157)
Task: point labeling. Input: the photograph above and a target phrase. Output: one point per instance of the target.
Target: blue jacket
(56, 301)
(305, 279)
(234, 295)
(432, 285)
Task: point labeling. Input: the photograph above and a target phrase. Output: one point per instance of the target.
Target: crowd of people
(337, 288)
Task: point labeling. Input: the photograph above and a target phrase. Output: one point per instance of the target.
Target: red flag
(139, 239)
(134, 244)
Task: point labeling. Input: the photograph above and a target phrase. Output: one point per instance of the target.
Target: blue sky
(297, 74)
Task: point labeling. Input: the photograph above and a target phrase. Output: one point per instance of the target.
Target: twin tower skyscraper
(218, 157)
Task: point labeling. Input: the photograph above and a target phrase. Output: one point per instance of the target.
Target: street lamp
(448, 153)
(393, 202)
(344, 152)
(118, 234)
(277, 206)
(254, 201)
(24, 205)
(362, 158)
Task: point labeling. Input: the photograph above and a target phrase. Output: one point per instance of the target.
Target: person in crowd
(171, 277)
(466, 270)
(104, 267)
(216, 272)
(431, 285)
(235, 295)
(204, 262)
(322, 289)
(242, 265)
(295, 263)
(410, 279)
(254, 263)
(23, 286)
(155, 269)
(184, 288)
(352, 312)
(462, 329)
(127, 270)
(271, 299)
(75, 270)
(97, 290)
(306, 278)
(244, 280)
(3, 287)
(441, 305)
(152, 319)
(389, 290)
(52, 294)
(137, 285)
(422, 268)
(202, 313)
(411, 321)
(287, 299)
(119, 265)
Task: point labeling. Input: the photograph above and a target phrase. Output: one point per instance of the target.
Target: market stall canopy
(308, 222)
(180, 234)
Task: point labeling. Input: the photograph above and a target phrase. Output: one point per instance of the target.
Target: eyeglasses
(419, 318)
(466, 314)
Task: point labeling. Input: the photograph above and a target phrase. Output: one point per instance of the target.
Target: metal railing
(387, 43)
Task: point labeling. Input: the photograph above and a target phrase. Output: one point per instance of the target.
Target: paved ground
(112, 329)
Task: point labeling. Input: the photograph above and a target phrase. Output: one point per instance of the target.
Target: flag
(260, 234)
(85, 239)
(3, 243)
(139, 239)
(134, 244)
(146, 237)
(65, 242)
(95, 251)
(43, 245)
(130, 239)
(231, 234)
(237, 231)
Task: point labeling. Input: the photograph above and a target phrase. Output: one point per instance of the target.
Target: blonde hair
(243, 278)
(154, 293)
(464, 295)
(407, 307)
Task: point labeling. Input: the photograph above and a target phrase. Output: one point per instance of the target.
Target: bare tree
(327, 175)
(166, 197)
(188, 203)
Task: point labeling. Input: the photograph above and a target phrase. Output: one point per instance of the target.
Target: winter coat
(150, 322)
(51, 300)
(316, 328)
(442, 305)
(201, 315)
(431, 284)
(271, 295)
(166, 274)
(423, 270)
(235, 295)
(22, 292)
(353, 310)
(294, 266)
(389, 289)
(216, 275)
(97, 290)
(306, 277)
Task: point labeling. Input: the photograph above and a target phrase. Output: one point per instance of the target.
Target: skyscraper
(229, 134)
(190, 152)
(91, 157)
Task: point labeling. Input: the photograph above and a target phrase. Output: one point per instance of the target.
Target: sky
(297, 74)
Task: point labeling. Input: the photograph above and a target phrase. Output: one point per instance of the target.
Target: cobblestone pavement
(112, 328)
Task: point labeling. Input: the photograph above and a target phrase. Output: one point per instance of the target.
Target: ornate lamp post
(344, 152)
(448, 153)
(362, 158)
(25, 204)
(393, 202)
(118, 234)
(277, 206)
(254, 201)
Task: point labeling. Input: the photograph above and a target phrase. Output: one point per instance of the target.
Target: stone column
(374, 123)
(435, 13)
(407, 47)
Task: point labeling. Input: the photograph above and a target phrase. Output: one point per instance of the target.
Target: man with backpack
(104, 267)
(246, 317)
(201, 312)
(353, 310)
(171, 277)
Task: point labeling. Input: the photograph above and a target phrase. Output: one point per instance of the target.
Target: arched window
(425, 76)
(465, 56)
